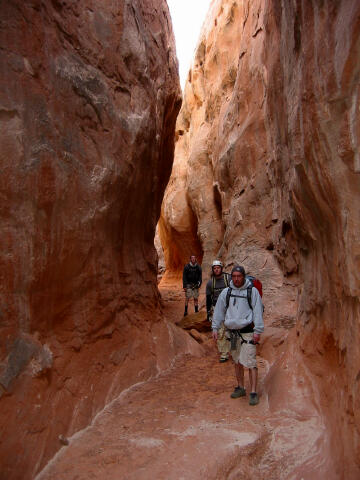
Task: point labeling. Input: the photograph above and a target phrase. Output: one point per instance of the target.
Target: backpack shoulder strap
(249, 290)
(213, 285)
(228, 294)
(226, 279)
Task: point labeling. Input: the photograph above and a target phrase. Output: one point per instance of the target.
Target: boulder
(195, 321)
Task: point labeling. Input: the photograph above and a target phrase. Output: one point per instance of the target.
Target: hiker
(192, 279)
(218, 281)
(240, 308)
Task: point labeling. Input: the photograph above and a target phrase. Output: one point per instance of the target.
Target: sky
(187, 18)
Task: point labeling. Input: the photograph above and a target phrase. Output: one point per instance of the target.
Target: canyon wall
(88, 101)
(266, 174)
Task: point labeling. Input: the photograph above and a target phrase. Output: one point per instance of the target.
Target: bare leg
(253, 375)
(222, 343)
(186, 304)
(239, 372)
(196, 305)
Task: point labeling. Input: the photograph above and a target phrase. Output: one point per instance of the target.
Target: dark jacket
(192, 275)
(214, 287)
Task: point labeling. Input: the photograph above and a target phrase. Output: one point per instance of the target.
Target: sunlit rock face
(88, 101)
(266, 173)
(220, 201)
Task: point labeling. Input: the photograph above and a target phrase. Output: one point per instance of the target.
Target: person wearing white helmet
(218, 281)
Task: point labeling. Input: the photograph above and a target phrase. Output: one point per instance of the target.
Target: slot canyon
(109, 172)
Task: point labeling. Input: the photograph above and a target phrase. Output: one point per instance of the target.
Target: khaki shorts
(245, 353)
(192, 292)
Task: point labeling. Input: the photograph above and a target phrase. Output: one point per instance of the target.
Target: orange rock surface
(183, 423)
(266, 174)
(89, 95)
(96, 380)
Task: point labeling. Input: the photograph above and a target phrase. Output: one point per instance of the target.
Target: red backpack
(256, 283)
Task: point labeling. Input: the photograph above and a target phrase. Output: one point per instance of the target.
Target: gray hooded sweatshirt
(239, 313)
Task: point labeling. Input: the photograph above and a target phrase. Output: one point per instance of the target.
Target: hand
(215, 335)
(256, 337)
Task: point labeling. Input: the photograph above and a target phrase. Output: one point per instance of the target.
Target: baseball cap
(239, 269)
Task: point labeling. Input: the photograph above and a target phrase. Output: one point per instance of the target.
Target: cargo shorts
(191, 292)
(245, 353)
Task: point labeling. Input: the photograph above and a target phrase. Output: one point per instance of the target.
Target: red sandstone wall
(89, 94)
(314, 134)
(266, 171)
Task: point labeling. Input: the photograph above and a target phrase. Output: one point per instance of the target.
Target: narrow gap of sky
(187, 19)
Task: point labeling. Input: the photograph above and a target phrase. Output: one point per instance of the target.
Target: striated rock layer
(266, 173)
(89, 94)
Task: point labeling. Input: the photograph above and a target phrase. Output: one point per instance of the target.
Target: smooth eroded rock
(89, 94)
(266, 174)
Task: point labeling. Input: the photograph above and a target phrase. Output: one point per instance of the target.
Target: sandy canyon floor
(184, 425)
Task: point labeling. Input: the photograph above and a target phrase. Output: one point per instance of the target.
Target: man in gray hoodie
(240, 308)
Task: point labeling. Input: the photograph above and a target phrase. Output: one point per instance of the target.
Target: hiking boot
(254, 399)
(238, 392)
(223, 359)
(196, 309)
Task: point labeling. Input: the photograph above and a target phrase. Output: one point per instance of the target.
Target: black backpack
(226, 281)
